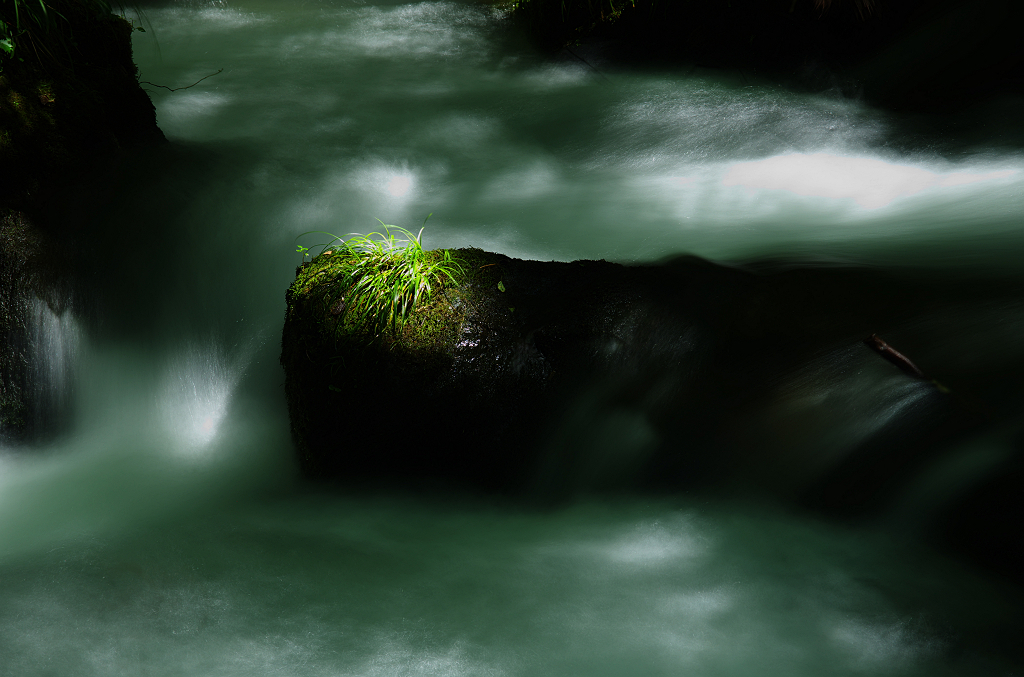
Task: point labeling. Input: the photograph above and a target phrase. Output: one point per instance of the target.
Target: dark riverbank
(70, 104)
(919, 55)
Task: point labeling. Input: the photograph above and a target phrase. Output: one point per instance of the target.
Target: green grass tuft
(384, 276)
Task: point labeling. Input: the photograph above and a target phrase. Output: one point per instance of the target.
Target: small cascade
(40, 335)
(39, 367)
(55, 339)
(198, 387)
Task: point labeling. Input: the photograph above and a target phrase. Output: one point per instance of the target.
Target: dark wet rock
(593, 375)
(61, 120)
(65, 117)
(35, 304)
(754, 381)
(19, 246)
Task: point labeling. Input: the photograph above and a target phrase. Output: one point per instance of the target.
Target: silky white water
(167, 533)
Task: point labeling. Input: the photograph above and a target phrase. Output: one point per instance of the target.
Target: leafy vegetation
(42, 30)
(383, 276)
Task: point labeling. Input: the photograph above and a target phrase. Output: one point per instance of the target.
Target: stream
(162, 527)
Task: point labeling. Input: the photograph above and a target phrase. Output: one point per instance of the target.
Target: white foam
(190, 108)
(197, 389)
(870, 182)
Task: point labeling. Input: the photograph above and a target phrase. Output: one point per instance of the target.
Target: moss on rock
(554, 376)
(463, 392)
(327, 355)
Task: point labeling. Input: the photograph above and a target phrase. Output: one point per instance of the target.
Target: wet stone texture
(26, 279)
(19, 247)
(559, 377)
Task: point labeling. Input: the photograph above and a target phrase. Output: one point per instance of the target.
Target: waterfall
(55, 345)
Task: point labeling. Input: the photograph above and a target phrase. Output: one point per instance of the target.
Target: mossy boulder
(555, 376)
(356, 395)
(468, 389)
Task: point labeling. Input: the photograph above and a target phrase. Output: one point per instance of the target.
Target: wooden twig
(174, 89)
(876, 343)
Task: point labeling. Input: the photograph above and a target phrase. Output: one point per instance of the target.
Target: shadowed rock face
(35, 315)
(592, 375)
(19, 247)
(62, 119)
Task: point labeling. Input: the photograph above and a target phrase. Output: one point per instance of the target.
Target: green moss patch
(413, 374)
(331, 336)
(468, 367)
(323, 289)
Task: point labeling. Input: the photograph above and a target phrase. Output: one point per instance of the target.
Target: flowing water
(167, 532)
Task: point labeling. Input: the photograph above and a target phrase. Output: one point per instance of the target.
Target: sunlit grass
(386, 275)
